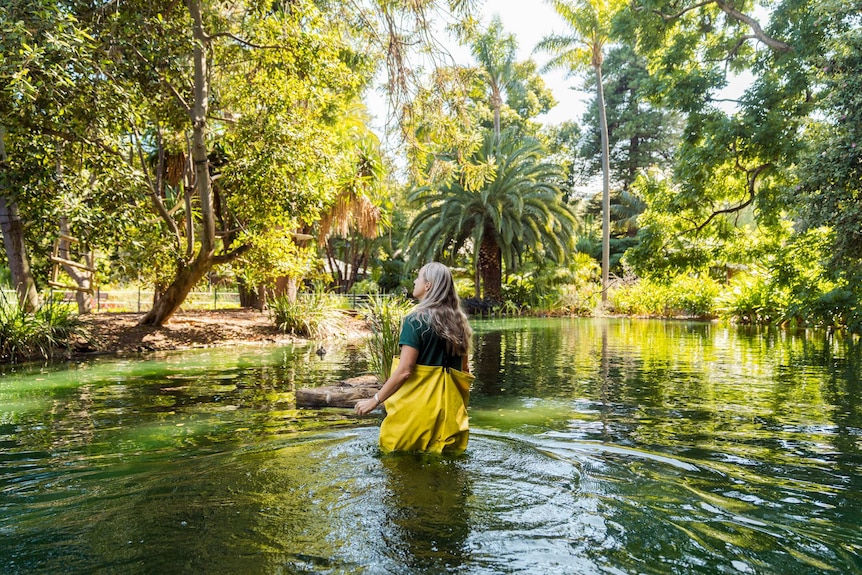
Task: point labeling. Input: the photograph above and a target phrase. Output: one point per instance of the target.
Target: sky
(532, 20)
(529, 21)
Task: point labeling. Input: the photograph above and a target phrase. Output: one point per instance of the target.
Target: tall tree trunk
(251, 296)
(606, 193)
(491, 267)
(477, 278)
(189, 274)
(13, 242)
(496, 104)
(82, 278)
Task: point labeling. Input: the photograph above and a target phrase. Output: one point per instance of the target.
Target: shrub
(507, 307)
(580, 299)
(465, 288)
(384, 316)
(475, 306)
(314, 315)
(643, 297)
(752, 300)
(683, 296)
(52, 327)
(366, 286)
(692, 296)
(838, 307)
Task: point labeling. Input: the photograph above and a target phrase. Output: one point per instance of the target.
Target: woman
(426, 395)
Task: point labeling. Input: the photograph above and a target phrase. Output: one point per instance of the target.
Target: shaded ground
(120, 332)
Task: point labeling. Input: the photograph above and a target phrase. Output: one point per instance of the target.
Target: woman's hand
(409, 355)
(365, 406)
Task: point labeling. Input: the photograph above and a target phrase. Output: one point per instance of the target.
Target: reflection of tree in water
(517, 359)
(488, 362)
(843, 390)
(426, 507)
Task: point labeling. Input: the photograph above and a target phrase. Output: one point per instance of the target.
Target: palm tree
(355, 210)
(589, 22)
(514, 206)
(495, 52)
(626, 209)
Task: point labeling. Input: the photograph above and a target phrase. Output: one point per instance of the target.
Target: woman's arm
(409, 355)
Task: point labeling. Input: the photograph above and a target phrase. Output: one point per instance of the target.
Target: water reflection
(596, 446)
(426, 505)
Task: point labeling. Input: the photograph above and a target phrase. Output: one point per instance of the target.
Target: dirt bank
(119, 333)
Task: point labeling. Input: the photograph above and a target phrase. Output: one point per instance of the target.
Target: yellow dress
(428, 412)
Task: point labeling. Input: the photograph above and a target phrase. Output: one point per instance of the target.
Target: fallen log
(343, 394)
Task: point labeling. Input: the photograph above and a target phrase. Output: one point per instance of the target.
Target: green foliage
(563, 142)
(784, 148)
(752, 299)
(515, 93)
(366, 286)
(314, 315)
(384, 316)
(682, 296)
(552, 289)
(24, 335)
(830, 173)
(392, 275)
(579, 300)
(582, 291)
(465, 288)
(794, 286)
(668, 243)
(273, 254)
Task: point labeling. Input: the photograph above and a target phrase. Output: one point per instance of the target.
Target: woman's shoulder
(415, 318)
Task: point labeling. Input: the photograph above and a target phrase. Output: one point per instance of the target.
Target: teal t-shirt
(432, 348)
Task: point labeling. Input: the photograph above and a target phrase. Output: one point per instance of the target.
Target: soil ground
(119, 333)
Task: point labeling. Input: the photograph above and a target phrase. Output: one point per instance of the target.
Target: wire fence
(140, 300)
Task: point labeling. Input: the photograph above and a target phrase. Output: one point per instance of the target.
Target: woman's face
(420, 286)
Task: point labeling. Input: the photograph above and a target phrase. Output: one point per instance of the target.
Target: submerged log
(343, 394)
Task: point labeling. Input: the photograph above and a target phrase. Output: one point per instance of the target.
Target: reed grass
(384, 317)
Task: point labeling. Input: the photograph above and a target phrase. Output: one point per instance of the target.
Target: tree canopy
(180, 140)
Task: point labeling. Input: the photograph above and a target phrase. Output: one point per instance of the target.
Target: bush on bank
(314, 315)
(683, 296)
(53, 327)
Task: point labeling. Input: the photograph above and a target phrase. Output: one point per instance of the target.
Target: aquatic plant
(384, 316)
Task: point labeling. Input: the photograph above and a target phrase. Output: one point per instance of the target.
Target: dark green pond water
(597, 447)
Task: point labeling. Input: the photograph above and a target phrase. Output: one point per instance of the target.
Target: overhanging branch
(728, 9)
(242, 41)
(776, 45)
(231, 255)
(752, 181)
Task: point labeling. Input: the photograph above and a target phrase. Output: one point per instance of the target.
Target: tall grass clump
(384, 316)
(314, 315)
(23, 335)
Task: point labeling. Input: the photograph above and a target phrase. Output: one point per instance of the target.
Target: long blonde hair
(441, 308)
